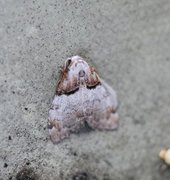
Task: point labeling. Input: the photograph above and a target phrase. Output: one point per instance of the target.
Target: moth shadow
(85, 128)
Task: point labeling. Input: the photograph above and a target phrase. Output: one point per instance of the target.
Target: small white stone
(165, 155)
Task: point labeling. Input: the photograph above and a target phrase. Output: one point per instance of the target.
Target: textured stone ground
(128, 41)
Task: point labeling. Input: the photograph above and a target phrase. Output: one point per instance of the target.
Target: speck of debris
(74, 153)
(28, 163)
(9, 138)
(26, 174)
(26, 108)
(80, 176)
(5, 165)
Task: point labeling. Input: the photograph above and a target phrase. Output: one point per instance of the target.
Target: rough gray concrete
(128, 41)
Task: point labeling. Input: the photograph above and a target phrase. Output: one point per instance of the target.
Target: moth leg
(57, 131)
(109, 122)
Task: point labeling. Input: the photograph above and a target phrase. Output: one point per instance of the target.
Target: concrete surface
(128, 41)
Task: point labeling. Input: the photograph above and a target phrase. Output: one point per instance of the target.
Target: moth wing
(112, 93)
(107, 118)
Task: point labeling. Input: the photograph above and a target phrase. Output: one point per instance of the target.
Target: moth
(82, 98)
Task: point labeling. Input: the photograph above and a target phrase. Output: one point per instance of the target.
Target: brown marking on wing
(93, 79)
(66, 86)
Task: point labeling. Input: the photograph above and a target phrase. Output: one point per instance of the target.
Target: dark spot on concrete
(74, 153)
(5, 165)
(168, 59)
(131, 177)
(106, 177)
(26, 108)
(9, 138)
(28, 163)
(80, 176)
(138, 121)
(13, 92)
(26, 174)
(84, 156)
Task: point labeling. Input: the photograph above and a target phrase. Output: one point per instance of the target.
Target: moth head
(77, 73)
